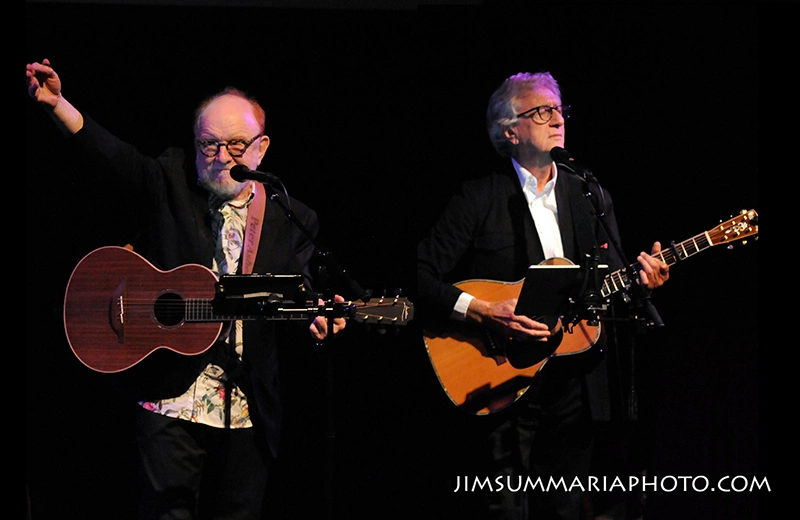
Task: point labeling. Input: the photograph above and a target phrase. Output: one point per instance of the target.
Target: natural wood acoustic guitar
(472, 364)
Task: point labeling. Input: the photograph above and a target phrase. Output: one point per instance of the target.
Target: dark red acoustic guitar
(119, 308)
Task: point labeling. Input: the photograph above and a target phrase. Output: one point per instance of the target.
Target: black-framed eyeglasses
(544, 113)
(235, 147)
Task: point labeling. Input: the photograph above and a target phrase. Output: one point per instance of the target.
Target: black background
(375, 113)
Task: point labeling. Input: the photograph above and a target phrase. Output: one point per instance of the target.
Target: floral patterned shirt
(204, 401)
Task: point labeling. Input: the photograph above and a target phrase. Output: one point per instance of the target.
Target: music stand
(552, 289)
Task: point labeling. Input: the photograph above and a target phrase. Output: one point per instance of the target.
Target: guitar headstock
(393, 311)
(737, 228)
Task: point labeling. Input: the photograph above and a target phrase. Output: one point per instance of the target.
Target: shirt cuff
(461, 306)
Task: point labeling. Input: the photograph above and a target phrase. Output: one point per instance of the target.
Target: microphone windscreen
(559, 154)
(239, 172)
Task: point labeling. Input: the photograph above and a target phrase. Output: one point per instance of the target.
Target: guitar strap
(252, 237)
(252, 234)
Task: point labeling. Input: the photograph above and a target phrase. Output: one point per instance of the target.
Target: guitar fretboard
(202, 310)
(619, 280)
(379, 311)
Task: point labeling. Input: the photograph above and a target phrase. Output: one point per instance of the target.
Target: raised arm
(44, 86)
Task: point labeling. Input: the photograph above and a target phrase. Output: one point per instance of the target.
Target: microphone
(563, 157)
(240, 173)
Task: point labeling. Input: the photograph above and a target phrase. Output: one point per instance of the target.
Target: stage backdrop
(375, 113)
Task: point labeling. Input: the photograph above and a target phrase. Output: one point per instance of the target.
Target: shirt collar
(529, 182)
(215, 203)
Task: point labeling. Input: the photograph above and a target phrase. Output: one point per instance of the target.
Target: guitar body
(471, 362)
(119, 308)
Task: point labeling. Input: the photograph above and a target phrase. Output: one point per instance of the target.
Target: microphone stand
(641, 292)
(633, 273)
(330, 267)
(329, 261)
(590, 299)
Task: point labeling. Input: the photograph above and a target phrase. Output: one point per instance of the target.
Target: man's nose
(223, 155)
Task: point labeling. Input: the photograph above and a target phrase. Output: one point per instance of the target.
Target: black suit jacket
(177, 231)
(486, 232)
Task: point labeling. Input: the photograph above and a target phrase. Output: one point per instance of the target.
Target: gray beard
(223, 190)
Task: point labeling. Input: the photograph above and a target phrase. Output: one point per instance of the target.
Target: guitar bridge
(116, 311)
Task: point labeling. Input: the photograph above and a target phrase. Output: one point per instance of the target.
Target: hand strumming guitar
(500, 317)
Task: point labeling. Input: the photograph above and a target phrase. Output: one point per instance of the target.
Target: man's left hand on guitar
(654, 272)
(319, 327)
(500, 316)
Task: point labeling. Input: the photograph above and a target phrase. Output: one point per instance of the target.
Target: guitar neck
(736, 228)
(619, 280)
(377, 311)
(202, 310)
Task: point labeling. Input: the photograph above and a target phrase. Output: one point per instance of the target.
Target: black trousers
(194, 471)
(546, 439)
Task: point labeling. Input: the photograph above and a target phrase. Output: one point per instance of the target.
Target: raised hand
(44, 85)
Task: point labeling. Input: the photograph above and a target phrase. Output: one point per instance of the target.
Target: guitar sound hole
(169, 309)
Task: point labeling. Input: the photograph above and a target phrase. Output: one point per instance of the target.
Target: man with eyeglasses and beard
(207, 426)
(529, 211)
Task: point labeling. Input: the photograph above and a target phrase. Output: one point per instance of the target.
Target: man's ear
(511, 135)
(263, 144)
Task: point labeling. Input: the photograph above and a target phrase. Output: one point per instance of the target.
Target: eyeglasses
(544, 113)
(235, 147)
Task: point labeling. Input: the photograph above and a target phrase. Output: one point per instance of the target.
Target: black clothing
(222, 473)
